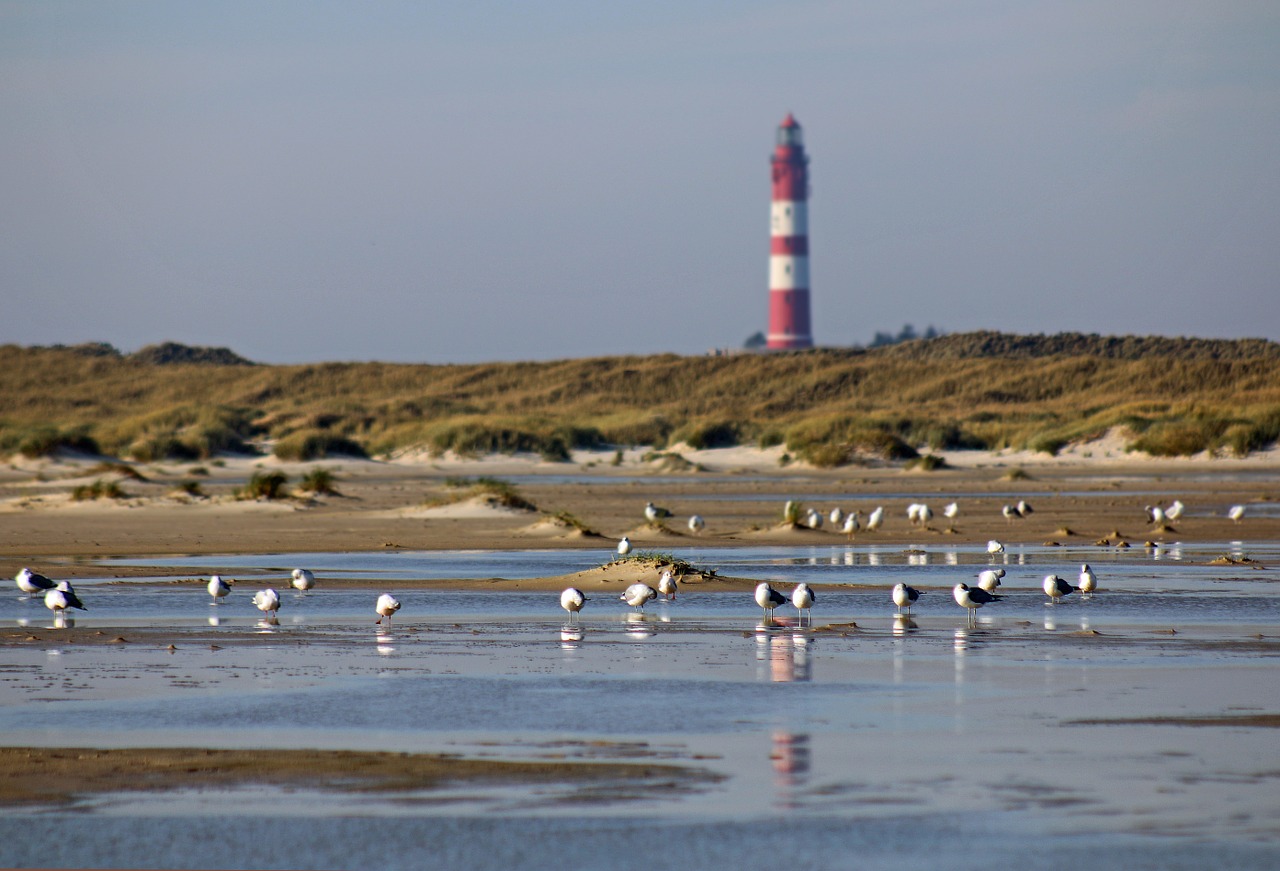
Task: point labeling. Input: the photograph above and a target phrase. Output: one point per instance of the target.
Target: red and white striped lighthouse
(789, 254)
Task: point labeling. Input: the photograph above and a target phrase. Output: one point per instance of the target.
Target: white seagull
(268, 602)
(572, 600)
(994, 547)
(1055, 588)
(836, 516)
(905, 596)
(989, 579)
(851, 524)
(667, 584)
(925, 514)
(218, 588)
(60, 598)
(814, 519)
(875, 519)
(803, 598)
(1155, 515)
(951, 512)
(637, 595)
(1024, 508)
(1009, 512)
(1088, 581)
(913, 512)
(1236, 512)
(653, 513)
(768, 598)
(971, 599)
(31, 582)
(1174, 511)
(387, 605)
(697, 524)
(624, 546)
(303, 580)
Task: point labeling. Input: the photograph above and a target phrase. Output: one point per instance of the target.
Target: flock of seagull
(60, 596)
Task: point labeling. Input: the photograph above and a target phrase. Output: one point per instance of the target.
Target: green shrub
(306, 445)
(319, 482)
(190, 488)
(99, 489)
(265, 485)
(927, 463)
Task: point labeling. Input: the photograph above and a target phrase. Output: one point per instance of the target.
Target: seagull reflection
(570, 636)
(638, 626)
(384, 638)
(782, 658)
(215, 621)
(792, 760)
(902, 624)
(1049, 623)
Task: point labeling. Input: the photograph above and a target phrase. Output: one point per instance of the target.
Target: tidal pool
(1124, 731)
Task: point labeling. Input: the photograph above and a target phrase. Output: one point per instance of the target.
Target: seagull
(803, 598)
(951, 512)
(637, 595)
(1155, 515)
(768, 598)
(387, 605)
(875, 519)
(653, 513)
(60, 598)
(904, 596)
(814, 519)
(1235, 512)
(303, 580)
(1174, 511)
(1088, 581)
(989, 579)
(913, 512)
(219, 588)
(1024, 508)
(972, 599)
(1009, 512)
(994, 547)
(696, 524)
(31, 582)
(267, 601)
(1055, 588)
(925, 514)
(667, 584)
(836, 516)
(851, 524)
(572, 601)
(624, 546)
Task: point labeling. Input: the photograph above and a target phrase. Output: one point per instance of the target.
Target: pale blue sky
(442, 182)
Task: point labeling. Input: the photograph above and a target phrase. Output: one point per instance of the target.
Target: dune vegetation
(1170, 397)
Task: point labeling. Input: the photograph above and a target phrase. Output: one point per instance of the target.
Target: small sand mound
(477, 507)
(554, 527)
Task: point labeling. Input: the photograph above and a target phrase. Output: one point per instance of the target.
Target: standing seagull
(303, 580)
(851, 524)
(875, 519)
(768, 598)
(971, 599)
(1088, 581)
(624, 546)
(951, 512)
(60, 598)
(1055, 588)
(989, 579)
(218, 588)
(667, 584)
(572, 601)
(653, 513)
(1009, 513)
(697, 524)
(904, 597)
(1236, 512)
(1174, 511)
(31, 582)
(268, 602)
(994, 547)
(803, 598)
(1024, 508)
(387, 605)
(637, 595)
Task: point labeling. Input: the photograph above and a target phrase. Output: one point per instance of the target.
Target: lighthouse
(789, 252)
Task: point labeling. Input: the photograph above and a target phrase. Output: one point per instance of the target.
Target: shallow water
(901, 742)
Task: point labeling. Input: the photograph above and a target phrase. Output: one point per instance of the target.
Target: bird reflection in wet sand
(782, 658)
(792, 760)
(638, 626)
(571, 636)
(902, 624)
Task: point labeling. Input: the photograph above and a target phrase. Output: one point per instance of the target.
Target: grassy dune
(980, 390)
